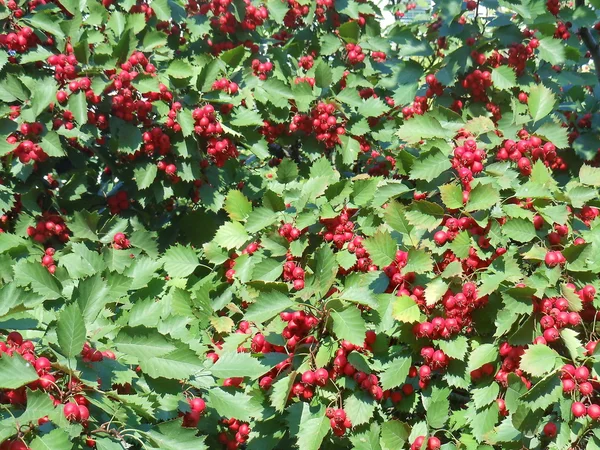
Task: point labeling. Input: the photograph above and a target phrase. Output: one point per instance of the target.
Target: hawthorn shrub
(233, 224)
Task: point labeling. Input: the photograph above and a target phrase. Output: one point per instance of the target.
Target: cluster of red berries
(397, 279)
(379, 57)
(120, 241)
(419, 107)
(338, 421)
(562, 30)
(305, 389)
(519, 53)
(322, 122)
(90, 354)
(434, 360)
(579, 378)
(453, 228)
(458, 308)
(221, 150)
(298, 327)
(293, 272)
(476, 83)
(363, 261)
(118, 202)
(223, 84)
(272, 131)
(289, 232)
(310, 80)
(434, 86)
(169, 169)
(511, 359)
(239, 433)
(27, 150)
(64, 66)
(339, 229)
(48, 260)
(125, 104)
(206, 123)
(50, 225)
(156, 140)
(553, 7)
(467, 161)
(20, 40)
(433, 443)
(530, 149)
(554, 258)
(588, 214)
(262, 70)
(355, 53)
(142, 8)
(192, 417)
(306, 62)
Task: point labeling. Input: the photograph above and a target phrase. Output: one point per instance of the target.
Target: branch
(593, 47)
(590, 43)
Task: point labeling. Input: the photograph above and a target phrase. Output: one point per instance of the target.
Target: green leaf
(485, 353)
(425, 215)
(260, 218)
(77, 104)
(575, 303)
(552, 50)
(452, 196)
(520, 230)
(49, 23)
(373, 107)
(573, 344)
(540, 101)
(281, 391)
(485, 395)
(484, 421)
(394, 434)
(482, 197)
(287, 171)
(171, 436)
(162, 9)
(381, 247)
(323, 75)
(348, 324)
(538, 360)
(180, 68)
(180, 261)
(504, 77)
(589, 175)
(269, 304)
(435, 290)
(406, 310)
(422, 127)
(431, 167)
(57, 438)
(231, 235)
(234, 56)
(36, 275)
(554, 133)
(395, 373)
(51, 144)
(143, 343)
(350, 149)
(245, 117)
(461, 244)
(312, 431)
(364, 191)
(44, 93)
(277, 10)
(233, 364)
(437, 407)
(418, 261)
(15, 372)
(237, 205)
(237, 405)
(145, 175)
(70, 330)
(178, 365)
(359, 407)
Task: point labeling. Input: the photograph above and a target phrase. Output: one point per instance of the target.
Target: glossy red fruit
(550, 429)
(578, 409)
